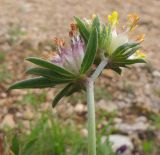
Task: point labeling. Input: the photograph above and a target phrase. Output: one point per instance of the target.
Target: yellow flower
(133, 20)
(113, 19)
(140, 37)
(89, 21)
(140, 54)
(93, 16)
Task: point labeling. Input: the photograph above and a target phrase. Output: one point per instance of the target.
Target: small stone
(158, 135)
(67, 109)
(126, 127)
(121, 143)
(3, 95)
(122, 149)
(8, 121)
(80, 108)
(26, 124)
(141, 119)
(19, 115)
(106, 106)
(108, 73)
(156, 73)
(28, 114)
(45, 106)
(84, 132)
(117, 120)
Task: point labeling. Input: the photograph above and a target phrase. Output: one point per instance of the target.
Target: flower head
(140, 38)
(132, 21)
(140, 54)
(123, 50)
(88, 21)
(117, 39)
(116, 44)
(113, 18)
(70, 58)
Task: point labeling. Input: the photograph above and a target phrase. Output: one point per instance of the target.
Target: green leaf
(131, 51)
(28, 147)
(102, 38)
(67, 91)
(120, 50)
(82, 28)
(49, 65)
(100, 33)
(96, 23)
(131, 61)
(15, 145)
(90, 52)
(126, 54)
(117, 70)
(61, 94)
(39, 82)
(108, 38)
(49, 74)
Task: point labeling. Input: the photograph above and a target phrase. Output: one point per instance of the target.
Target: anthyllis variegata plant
(94, 46)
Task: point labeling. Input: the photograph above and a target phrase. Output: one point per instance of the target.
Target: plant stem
(91, 118)
(99, 69)
(91, 108)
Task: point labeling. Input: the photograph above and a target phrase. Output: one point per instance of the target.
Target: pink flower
(70, 58)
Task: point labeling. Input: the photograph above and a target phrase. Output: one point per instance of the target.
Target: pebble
(80, 108)
(156, 73)
(3, 95)
(26, 124)
(106, 106)
(28, 114)
(84, 132)
(120, 143)
(128, 128)
(8, 121)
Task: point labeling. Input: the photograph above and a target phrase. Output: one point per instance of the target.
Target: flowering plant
(93, 47)
(118, 48)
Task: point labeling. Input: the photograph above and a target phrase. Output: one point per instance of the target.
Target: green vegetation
(49, 136)
(2, 56)
(4, 73)
(33, 99)
(156, 120)
(148, 147)
(15, 33)
(101, 93)
(157, 92)
(128, 87)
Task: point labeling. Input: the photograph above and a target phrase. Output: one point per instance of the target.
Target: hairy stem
(91, 108)
(91, 118)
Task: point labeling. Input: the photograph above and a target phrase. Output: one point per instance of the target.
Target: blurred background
(127, 106)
